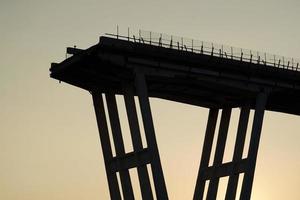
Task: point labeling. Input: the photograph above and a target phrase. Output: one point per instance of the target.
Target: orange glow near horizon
(49, 143)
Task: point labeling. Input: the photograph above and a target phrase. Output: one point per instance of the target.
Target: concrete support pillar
(106, 147)
(253, 147)
(119, 144)
(143, 175)
(238, 165)
(157, 172)
(141, 156)
(206, 151)
(238, 152)
(223, 130)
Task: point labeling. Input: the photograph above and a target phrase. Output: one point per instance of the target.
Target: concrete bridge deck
(211, 81)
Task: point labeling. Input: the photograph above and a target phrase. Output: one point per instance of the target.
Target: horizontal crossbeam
(226, 169)
(130, 160)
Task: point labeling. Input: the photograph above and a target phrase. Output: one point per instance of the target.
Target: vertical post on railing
(279, 63)
(160, 42)
(231, 50)
(265, 58)
(150, 36)
(222, 47)
(202, 47)
(139, 35)
(212, 49)
(117, 31)
(297, 66)
(192, 45)
(181, 43)
(251, 56)
(283, 61)
(128, 33)
(274, 61)
(241, 54)
(292, 63)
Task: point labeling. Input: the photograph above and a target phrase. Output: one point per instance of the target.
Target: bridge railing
(209, 48)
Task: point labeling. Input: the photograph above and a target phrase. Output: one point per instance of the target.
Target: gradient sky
(49, 145)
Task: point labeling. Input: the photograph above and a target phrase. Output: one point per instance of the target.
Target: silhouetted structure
(213, 78)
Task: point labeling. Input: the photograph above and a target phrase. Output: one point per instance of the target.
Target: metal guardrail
(209, 48)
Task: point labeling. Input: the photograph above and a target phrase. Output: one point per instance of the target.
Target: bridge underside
(134, 69)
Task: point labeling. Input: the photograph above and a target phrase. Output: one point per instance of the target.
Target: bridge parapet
(210, 48)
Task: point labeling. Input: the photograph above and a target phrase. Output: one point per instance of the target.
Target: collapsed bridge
(187, 71)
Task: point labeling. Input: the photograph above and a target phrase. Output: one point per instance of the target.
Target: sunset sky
(49, 142)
